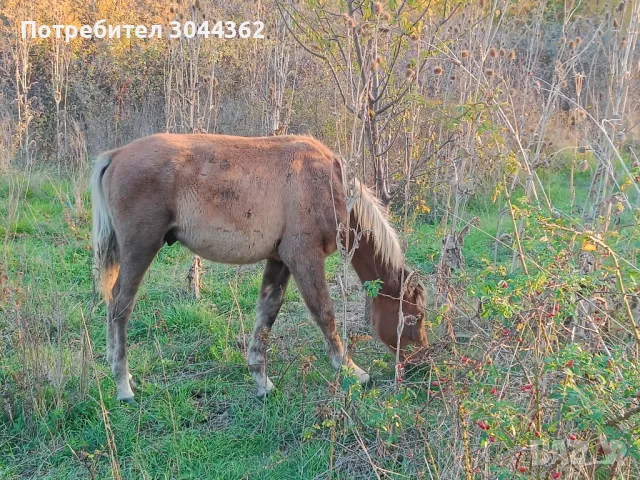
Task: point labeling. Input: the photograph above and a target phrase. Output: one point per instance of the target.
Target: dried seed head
(563, 40)
(181, 16)
(537, 84)
(410, 73)
(414, 36)
(581, 149)
(386, 16)
(437, 70)
(452, 77)
(456, 30)
(578, 40)
(465, 53)
(503, 52)
(572, 45)
(493, 52)
(215, 83)
(379, 59)
(197, 5)
(488, 72)
(374, 65)
(351, 23)
(623, 43)
(615, 23)
(377, 8)
(512, 55)
(620, 7)
(171, 10)
(564, 84)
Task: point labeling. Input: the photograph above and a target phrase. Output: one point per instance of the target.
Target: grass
(198, 416)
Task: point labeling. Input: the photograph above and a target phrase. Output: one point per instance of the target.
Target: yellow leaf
(588, 247)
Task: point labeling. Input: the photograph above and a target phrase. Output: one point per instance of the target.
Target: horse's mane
(370, 215)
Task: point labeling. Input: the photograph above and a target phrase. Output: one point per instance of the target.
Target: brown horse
(242, 200)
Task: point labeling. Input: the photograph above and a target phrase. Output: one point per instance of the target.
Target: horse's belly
(228, 245)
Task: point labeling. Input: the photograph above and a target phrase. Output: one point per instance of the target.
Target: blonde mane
(369, 214)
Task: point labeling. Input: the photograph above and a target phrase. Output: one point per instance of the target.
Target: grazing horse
(241, 200)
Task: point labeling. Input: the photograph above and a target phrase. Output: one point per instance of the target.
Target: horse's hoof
(131, 401)
(264, 390)
(361, 376)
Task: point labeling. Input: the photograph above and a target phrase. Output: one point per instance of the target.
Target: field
(197, 414)
(502, 137)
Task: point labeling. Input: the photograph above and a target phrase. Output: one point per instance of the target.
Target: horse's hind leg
(134, 262)
(274, 284)
(308, 270)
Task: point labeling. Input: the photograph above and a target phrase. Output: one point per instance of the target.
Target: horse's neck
(369, 267)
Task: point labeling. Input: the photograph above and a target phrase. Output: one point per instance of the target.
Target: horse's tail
(105, 246)
(369, 215)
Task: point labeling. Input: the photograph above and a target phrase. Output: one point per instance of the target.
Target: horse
(242, 200)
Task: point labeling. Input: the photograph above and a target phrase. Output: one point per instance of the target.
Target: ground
(197, 414)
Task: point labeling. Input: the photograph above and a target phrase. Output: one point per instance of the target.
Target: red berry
(526, 387)
(556, 307)
(572, 436)
(504, 285)
(522, 469)
(551, 315)
(506, 331)
(435, 383)
(570, 363)
(489, 362)
(555, 475)
(492, 438)
(483, 426)
(494, 390)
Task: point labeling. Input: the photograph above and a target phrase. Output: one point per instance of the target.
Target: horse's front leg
(309, 272)
(274, 284)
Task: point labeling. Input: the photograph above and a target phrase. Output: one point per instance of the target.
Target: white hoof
(124, 391)
(264, 388)
(362, 376)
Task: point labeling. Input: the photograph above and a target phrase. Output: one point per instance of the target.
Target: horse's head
(385, 315)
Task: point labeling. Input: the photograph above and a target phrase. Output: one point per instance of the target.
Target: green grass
(198, 416)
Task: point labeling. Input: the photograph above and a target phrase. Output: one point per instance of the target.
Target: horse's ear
(411, 283)
(475, 221)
